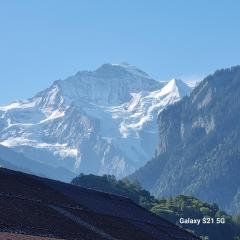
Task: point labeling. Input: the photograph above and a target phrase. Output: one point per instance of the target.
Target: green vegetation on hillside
(125, 188)
(171, 209)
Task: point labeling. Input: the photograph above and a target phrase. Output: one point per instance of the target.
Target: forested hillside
(199, 146)
(171, 209)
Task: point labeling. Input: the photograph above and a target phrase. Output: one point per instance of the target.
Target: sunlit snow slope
(101, 122)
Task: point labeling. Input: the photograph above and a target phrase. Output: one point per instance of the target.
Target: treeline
(125, 188)
(172, 208)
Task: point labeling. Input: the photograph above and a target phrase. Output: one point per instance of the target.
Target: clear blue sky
(45, 40)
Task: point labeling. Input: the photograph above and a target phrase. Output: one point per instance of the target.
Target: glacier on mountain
(101, 122)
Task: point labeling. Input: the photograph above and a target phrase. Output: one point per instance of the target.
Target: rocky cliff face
(199, 145)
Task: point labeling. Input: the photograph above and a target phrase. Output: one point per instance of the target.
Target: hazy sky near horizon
(44, 40)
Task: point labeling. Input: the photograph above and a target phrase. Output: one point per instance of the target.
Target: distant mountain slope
(42, 207)
(17, 161)
(199, 144)
(101, 121)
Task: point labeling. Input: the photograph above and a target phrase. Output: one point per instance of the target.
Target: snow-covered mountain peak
(110, 84)
(101, 121)
(110, 70)
(176, 86)
(145, 106)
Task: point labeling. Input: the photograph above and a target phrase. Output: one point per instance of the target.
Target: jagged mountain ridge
(94, 122)
(198, 150)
